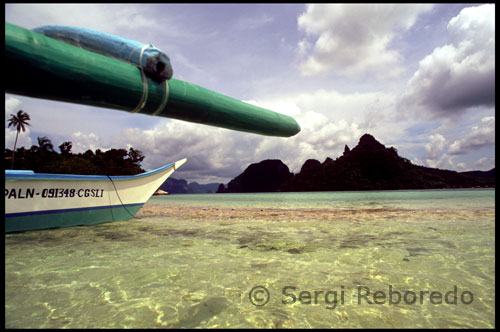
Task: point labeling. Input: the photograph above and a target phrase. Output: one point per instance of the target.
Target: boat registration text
(20, 193)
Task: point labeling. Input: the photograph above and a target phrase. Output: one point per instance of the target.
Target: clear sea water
(380, 259)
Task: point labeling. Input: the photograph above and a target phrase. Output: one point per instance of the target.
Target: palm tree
(45, 145)
(19, 121)
(65, 148)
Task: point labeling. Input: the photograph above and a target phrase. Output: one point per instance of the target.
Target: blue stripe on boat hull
(68, 217)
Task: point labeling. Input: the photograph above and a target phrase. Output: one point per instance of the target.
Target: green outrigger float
(43, 67)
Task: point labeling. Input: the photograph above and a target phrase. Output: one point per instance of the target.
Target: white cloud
(440, 153)
(282, 106)
(303, 47)
(318, 139)
(435, 147)
(321, 138)
(353, 39)
(485, 163)
(329, 120)
(126, 20)
(440, 160)
(82, 142)
(24, 138)
(11, 106)
(213, 153)
(482, 135)
(359, 107)
(461, 74)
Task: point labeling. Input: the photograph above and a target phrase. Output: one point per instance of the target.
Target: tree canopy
(43, 158)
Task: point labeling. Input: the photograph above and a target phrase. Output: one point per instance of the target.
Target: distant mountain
(174, 186)
(368, 166)
(481, 174)
(266, 176)
(197, 188)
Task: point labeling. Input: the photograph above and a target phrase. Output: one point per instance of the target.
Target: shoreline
(155, 210)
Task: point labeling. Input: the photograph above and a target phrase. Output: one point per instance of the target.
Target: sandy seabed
(182, 266)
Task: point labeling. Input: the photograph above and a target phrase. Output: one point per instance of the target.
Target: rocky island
(368, 166)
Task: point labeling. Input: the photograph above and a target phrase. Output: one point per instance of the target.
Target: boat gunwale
(76, 177)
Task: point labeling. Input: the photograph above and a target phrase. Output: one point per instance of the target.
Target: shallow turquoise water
(204, 261)
(405, 199)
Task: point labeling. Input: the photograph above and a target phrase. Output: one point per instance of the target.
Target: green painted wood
(42, 67)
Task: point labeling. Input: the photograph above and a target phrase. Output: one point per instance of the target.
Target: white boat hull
(39, 201)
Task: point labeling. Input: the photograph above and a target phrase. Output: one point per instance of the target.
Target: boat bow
(39, 201)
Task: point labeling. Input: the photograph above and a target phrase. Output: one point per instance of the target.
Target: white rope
(163, 101)
(144, 97)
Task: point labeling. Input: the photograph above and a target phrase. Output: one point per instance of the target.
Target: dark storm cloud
(459, 75)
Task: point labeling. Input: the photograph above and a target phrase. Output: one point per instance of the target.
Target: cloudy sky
(419, 77)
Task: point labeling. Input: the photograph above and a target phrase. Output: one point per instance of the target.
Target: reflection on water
(292, 260)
